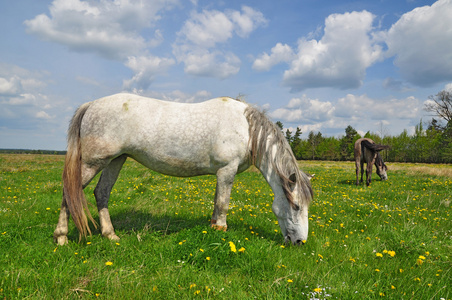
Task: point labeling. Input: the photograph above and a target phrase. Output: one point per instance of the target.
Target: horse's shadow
(133, 222)
(347, 182)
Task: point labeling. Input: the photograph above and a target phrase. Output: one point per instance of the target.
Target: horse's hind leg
(357, 163)
(102, 194)
(62, 229)
(225, 180)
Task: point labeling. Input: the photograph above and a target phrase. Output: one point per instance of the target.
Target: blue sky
(318, 65)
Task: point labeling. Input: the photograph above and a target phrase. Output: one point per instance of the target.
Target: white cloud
(145, 69)
(204, 31)
(108, 28)
(248, 21)
(340, 58)
(43, 115)
(304, 110)
(279, 53)
(179, 96)
(421, 41)
(10, 86)
(360, 111)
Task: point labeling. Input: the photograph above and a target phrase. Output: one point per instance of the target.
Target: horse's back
(174, 138)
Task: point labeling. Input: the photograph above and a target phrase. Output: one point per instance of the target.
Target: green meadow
(391, 240)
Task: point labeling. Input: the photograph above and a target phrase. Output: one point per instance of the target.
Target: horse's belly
(174, 165)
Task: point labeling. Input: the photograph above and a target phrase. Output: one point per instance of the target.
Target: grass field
(390, 240)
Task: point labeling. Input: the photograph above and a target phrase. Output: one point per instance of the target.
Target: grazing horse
(366, 151)
(222, 136)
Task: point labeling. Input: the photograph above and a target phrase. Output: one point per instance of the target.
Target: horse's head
(381, 167)
(291, 209)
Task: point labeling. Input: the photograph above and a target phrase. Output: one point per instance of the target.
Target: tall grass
(389, 240)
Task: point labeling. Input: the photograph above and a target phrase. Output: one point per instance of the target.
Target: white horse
(222, 136)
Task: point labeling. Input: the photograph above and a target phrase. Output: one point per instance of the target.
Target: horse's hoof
(60, 240)
(113, 237)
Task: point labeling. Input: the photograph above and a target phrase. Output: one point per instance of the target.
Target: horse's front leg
(225, 180)
(102, 194)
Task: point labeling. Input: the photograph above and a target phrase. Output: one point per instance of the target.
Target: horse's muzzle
(298, 242)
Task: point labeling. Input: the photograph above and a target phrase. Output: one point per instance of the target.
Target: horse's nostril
(300, 242)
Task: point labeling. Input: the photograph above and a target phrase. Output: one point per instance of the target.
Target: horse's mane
(263, 135)
(379, 160)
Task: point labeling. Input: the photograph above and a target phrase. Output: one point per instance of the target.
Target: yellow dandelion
(377, 270)
(108, 263)
(320, 255)
(317, 290)
(391, 253)
(289, 280)
(232, 246)
(208, 258)
(392, 287)
(242, 250)
(379, 254)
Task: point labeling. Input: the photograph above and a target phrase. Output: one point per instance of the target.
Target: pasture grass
(390, 240)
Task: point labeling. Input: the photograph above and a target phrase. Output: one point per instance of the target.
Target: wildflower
(289, 280)
(377, 270)
(317, 290)
(379, 254)
(242, 250)
(192, 285)
(204, 232)
(391, 253)
(108, 263)
(320, 255)
(232, 246)
(382, 294)
(392, 287)
(202, 250)
(417, 279)
(208, 258)
(401, 270)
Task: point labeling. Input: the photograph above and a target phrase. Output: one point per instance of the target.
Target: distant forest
(27, 151)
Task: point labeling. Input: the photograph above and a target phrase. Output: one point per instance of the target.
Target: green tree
(348, 143)
(314, 141)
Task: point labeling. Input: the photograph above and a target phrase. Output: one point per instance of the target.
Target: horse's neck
(267, 168)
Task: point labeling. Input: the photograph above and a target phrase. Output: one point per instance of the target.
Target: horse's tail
(373, 147)
(72, 175)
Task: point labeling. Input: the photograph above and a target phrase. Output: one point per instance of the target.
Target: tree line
(431, 142)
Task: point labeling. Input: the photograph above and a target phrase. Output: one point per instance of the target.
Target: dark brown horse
(366, 151)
